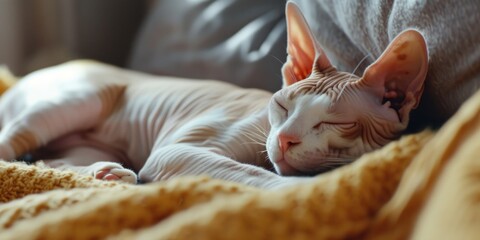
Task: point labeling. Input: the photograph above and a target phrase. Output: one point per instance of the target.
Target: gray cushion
(239, 41)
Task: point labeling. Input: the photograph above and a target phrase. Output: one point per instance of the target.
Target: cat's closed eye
(281, 106)
(348, 126)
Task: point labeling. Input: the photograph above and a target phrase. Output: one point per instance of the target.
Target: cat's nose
(285, 141)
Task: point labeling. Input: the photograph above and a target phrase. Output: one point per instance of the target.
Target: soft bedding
(423, 186)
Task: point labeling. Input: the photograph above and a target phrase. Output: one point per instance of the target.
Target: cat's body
(125, 115)
(85, 116)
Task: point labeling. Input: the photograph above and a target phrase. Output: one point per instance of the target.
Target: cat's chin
(283, 168)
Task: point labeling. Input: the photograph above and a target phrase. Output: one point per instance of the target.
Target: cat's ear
(398, 75)
(304, 53)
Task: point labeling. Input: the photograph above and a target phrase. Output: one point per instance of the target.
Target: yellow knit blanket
(423, 186)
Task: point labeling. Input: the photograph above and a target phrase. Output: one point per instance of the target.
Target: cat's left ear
(304, 53)
(398, 75)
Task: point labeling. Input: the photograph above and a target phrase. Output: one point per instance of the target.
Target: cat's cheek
(273, 151)
(282, 167)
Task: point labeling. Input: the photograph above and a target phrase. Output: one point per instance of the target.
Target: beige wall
(39, 33)
(10, 34)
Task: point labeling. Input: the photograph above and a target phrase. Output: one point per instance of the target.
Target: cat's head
(323, 118)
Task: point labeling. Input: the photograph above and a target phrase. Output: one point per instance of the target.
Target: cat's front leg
(92, 162)
(182, 160)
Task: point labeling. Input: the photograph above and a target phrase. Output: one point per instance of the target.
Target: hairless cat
(115, 124)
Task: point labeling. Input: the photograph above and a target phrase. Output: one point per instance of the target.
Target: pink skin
(106, 175)
(103, 121)
(286, 141)
(379, 102)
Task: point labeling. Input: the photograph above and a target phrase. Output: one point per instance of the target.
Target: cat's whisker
(267, 158)
(276, 58)
(277, 73)
(338, 161)
(360, 63)
(264, 151)
(254, 142)
(258, 137)
(260, 129)
(260, 134)
(341, 92)
(350, 78)
(255, 138)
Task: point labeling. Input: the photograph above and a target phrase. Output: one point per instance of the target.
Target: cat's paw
(114, 172)
(6, 152)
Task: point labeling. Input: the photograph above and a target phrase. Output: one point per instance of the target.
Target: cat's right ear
(398, 75)
(304, 52)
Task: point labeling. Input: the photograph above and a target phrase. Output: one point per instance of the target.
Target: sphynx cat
(116, 124)
(350, 31)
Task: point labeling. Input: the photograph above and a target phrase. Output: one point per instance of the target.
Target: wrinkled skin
(340, 116)
(116, 124)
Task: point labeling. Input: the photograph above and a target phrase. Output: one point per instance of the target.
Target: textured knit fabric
(423, 186)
